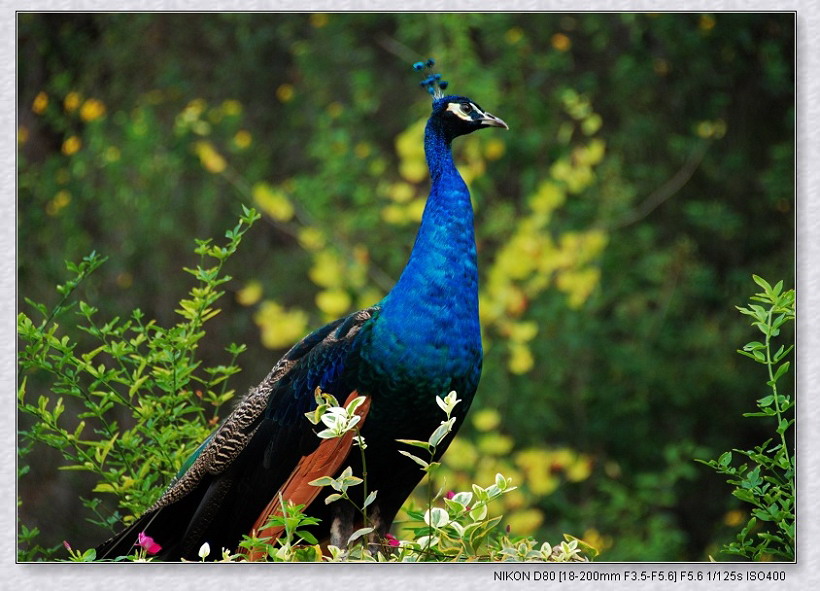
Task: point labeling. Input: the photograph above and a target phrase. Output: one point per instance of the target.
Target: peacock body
(420, 342)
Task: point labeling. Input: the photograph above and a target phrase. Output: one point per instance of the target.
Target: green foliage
(767, 482)
(612, 223)
(147, 399)
(294, 545)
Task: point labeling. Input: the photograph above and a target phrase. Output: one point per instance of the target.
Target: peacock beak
(492, 121)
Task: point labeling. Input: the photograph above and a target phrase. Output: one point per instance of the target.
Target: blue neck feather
(443, 255)
(428, 327)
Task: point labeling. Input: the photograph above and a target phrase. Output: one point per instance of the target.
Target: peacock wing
(232, 482)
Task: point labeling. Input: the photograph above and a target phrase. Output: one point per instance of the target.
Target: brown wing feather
(325, 461)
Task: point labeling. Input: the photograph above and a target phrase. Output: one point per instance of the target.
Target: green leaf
(416, 443)
(766, 400)
(359, 533)
(441, 431)
(784, 425)
(354, 404)
(436, 517)
(725, 459)
(416, 459)
(323, 481)
(781, 353)
(478, 512)
(370, 498)
(743, 495)
(762, 283)
(306, 536)
(781, 370)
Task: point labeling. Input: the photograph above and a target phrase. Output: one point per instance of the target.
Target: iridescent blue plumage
(421, 341)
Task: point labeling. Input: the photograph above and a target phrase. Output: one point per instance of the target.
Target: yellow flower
(410, 149)
(594, 538)
(486, 419)
(706, 22)
(705, 129)
(311, 238)
(231, 107)
(280, 327)
(72, 145)
(521, 360)
(579, 470)
(415, 209)
(461, 455)
(734, 518)
(333, 302)
(71, 101)
(521, 332)
(318, 20)
(513, 35)
(394, 214)
(401, 192)
(548, 197)
(591, 124)
(494, 149)
(273, 202)
(92, 109)
(242, 139)
(210, 158)
(250, 294)
(525, 522)
(578, 285)
(60, 201)
(285, 93)
(561, 42)
(413, 170)
(40, 103)
(327, 270)
(495, 444)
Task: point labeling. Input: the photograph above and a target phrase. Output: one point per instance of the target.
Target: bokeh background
(647, 173)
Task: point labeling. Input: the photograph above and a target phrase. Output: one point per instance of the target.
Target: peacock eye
(466, 108)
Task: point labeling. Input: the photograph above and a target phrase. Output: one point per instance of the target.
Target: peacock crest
(433, 83)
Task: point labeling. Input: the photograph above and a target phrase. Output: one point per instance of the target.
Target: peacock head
(459, 115)
(454, 115)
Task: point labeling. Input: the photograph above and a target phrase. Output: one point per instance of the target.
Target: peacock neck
(442, 270)
(426, 339)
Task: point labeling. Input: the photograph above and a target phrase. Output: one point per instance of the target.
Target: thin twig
(664, 192)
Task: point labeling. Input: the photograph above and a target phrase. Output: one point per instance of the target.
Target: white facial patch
(456, 108)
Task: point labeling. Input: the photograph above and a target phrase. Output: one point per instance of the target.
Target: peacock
(419, 343)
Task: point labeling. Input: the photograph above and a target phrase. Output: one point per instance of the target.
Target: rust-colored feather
(325, 461)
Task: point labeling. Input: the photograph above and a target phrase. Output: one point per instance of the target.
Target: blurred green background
(647, 173)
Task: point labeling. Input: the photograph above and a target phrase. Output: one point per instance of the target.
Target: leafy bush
(767, 481)
(137, 372)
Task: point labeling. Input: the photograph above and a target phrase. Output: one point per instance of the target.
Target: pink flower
(148, 543)
(391, 540)
(450, 494)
